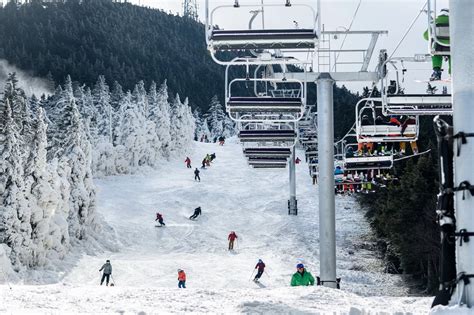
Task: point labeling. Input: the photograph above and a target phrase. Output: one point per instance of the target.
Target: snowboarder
(203, 163)
(196, 213)
(301, 277)
(107, 267)
(261, 268)
(159, 218)
(232, 237)
(196, 175)
(437, 60)
(181, 279)
(208, 159)
(213, 157)
(188, 162)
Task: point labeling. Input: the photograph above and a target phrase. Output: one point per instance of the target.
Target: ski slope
(233, 197)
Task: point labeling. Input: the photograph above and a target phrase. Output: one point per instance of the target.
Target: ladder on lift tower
(324, 52)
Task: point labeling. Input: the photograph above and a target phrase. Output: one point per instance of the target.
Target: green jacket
(302, 279)
(441, 19)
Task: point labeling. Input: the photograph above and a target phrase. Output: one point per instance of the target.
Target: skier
(196, 174)
(437, 60)
(208, 159)
(213, 157)
(203, 163)
(221, 140)
(196, 213)
(298, 160)
(159, 218)
(188, 162)
(301, 277)
(107, 267)
(181, 279)
(232, 237)
(261, 268)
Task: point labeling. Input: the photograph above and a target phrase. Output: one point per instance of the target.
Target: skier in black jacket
(196, 175)
(196, 213)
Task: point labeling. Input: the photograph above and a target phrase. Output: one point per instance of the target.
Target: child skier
(196, 213)
(188, 162)
(232, 237)
(261, 268)
(159, 218)
(181, 279)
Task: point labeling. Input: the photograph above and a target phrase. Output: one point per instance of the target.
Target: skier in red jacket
(232, 237)
(261, 268)
(188, 162)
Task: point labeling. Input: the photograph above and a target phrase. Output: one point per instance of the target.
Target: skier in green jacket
(437, 60)
(301, 277)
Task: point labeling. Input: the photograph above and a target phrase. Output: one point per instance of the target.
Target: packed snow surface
(233, 197)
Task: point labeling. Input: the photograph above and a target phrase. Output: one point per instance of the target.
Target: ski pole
(113, 280)
(267, 274)
(252, 275)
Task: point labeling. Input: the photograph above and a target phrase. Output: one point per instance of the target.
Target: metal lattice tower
(190, 9)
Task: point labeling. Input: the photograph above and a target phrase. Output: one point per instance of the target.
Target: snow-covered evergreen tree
(182, 125)
(75, 161)
(14, 212)
(215, 117)
(163, 120)
(102, 103)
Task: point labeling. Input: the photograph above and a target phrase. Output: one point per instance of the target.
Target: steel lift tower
(190, 9)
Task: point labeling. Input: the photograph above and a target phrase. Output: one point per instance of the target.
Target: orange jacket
(181, 276)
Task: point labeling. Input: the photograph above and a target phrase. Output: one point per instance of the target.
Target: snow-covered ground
(233, 197)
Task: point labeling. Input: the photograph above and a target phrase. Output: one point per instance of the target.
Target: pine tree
(163, 120)
(215, 117)
(75, 160)
(14, 213)
(102, 103)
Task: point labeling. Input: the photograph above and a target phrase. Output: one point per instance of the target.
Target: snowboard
(160, 225)
(410, 156)
(435, 81)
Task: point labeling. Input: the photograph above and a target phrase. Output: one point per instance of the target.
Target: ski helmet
(107, 260)
(260, 260)
(179, 270)
(445, 10)
(298, 266)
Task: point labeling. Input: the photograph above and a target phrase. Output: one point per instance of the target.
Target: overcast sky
(394, 16)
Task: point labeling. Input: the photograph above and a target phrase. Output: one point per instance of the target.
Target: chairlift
(279, 136)
(356, 162)
(372, 132)
(265, 152)
(258, 39)
(396, 102)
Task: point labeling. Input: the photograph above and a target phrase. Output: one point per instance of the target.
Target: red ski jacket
(158, 217)
(260, 266)
(232, 236)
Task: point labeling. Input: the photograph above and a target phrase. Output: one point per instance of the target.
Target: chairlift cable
(345, 36)
(409, 29)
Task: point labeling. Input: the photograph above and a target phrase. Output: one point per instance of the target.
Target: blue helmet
(260, 260)
(298, 266)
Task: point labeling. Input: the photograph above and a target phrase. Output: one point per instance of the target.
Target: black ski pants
(259, 274)
(105, 276)
(196, 177)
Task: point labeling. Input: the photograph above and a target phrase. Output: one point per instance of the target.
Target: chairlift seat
(267, 135)
(263, 39)
(265, 104)
(440, 104)
(368, 162)
(267, 160)
(267, 152)
(386, 133)
(269, 165)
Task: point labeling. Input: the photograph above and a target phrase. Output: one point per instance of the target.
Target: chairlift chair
(385, 132)
(257, 39)
(437, 32)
